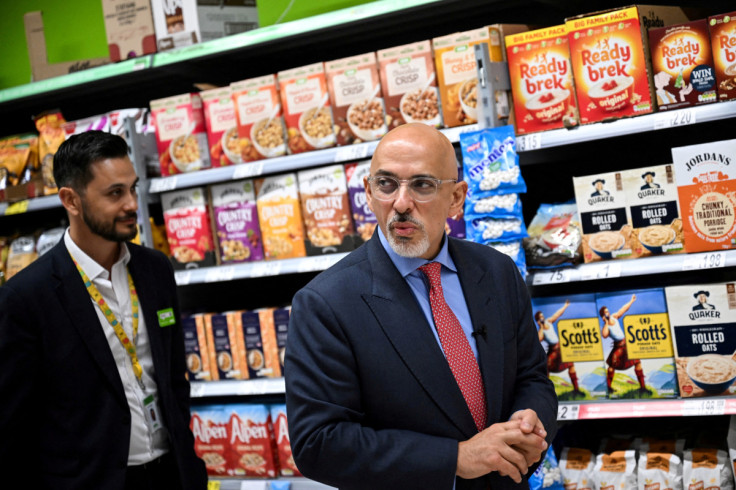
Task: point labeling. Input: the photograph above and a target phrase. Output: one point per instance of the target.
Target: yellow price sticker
(213, 485)
(17, 208)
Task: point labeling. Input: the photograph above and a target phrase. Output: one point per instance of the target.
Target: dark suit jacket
(372, 402)
(64, 419)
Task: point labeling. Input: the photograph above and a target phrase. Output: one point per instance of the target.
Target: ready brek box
(706, 185)
(610, 62)
(723, 43)
(541, 80)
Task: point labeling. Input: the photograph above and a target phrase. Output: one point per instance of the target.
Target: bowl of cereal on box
(231, 146)
(712, 373)
(604, 243)
(655, 237)
(267, 136)
(315, 125)
(184, 152)
(421, 106)
(469, 97)
(366, 120)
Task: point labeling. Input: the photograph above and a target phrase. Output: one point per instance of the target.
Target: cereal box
(610, 62)
(363, 217)
(703, 322)
(236, 222)
(176, 23)
(209, 425)
(637, 344)
(651, 195)
(357, 100)
(259, 339)
(723, 44)
(281, 325)
(410, 85)
(326, 209)
(259, 117)
(569, 332)
(706, 184)
(252, 444)
(280, 216)
(682, 65)
(188, 228)
(222, 131)
(195, 348)
(181, 136)
(222, 336)
(604, 217)
(287, 467)
(306, 106)
(541, 80)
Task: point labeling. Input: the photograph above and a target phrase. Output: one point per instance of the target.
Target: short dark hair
(74, 158)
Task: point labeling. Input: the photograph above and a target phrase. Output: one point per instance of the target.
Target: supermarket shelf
(261, 484)
(281, 164)
(29, 205)
(256, 269)
(635, 267)
(249, 387)
(614, 409)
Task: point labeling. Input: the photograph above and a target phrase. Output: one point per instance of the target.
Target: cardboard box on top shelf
(129, 28)
(41, 69)
(220, 18)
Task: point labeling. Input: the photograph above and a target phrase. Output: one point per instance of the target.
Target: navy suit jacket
(64, 418)
(371, 400)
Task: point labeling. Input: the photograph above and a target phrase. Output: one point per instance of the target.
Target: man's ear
(458, 198)
(70, 200)
(368, 194)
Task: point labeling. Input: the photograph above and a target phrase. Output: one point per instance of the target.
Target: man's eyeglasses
(421, 189)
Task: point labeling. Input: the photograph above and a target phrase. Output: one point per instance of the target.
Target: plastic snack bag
(491, 163)
(548, 475)
(554, 237)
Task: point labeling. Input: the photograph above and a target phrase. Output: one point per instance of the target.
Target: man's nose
(403, 202)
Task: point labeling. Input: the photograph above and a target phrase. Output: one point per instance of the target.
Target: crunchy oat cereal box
(287, 467)
(410, 84)
(637, 344)
(222, 131)
(326, 209)
(195, 348)
(363, 217)
(306, 107)
(568, 330)
(209, 425)
(682, 65)
(222, 336)
(252, 444)
(604, 217)
(188, 231)
(723, 44)
(357, 100)
(256, 328)
(610, 62)
(703, 322)
(281, 325)
(706, 184)
(541, 80)
(651, 195)
(235, 216)
(280, 216)
(259, 116)
(181, 135)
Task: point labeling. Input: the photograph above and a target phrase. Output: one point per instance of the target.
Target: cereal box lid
(175, 101)
(601, 191)
(461, 38)
(713, 159)
(361, 60)
(559, 31)
(183, 199)
(240, 191)
(302, 71)
(215, 93)
(277, 187)
(253, 83)
(323, 180)
(421, 47)
(356, 172)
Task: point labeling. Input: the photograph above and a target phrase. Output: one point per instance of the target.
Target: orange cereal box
(195, 348)
(723, 43)
(188, 229)
(222, 131)
(706, 185)
(280, 216)
(541, 80)
(259, 117)
(257, 331)
(307, 110)
(222, 337)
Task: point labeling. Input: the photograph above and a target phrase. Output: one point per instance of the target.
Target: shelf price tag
(214, 484)
(529, 142)
(603, 271)
(247, 170)
(352, 152)
(552, 277)
(197, 389)
(162, 184)
(675, 119)
(263, 269)
(704, 407)
(567, 411)
(219, 274)
(183, 278)
(710, 260)
(17, 208)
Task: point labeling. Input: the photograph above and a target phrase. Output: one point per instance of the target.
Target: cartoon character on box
(618, 358)
(554, 355)
(702, 297)
(649, 181)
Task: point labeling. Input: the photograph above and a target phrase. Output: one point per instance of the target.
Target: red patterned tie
(456, 346)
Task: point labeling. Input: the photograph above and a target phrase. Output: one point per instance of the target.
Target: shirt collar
(88, 264)
(406, 265)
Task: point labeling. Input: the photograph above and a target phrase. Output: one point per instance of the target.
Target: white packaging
(176, 23)
(576, 465)
(615, 471)
(659, 471)
(707, 468)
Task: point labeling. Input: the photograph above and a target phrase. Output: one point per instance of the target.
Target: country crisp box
(363, 217)
(188, 231)
(236, 222)
(280, 216)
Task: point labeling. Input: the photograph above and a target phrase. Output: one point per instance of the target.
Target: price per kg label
(247, 170)
(529, 142)
(197, 389)
(263, 269)
(603, 271)
(674, 119)
(219, 274)
(552, 277)
(352, 152)
(17, 208)
(704, 407)
(183, 278)
(710, 260)
(163, 184)
(568, 411)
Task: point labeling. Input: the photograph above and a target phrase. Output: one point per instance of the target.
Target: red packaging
(260, 125)
(211, 442)
(287, 467)
(188, 228)
(252, 444)
(222, 131)
(723, 43)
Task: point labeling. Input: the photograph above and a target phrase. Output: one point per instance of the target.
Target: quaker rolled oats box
(235, 216)
(604, 217)
(723, 43)
(706, 185)
(651, 195)
(568, 330)
(703, 322)
(187, 220)
(280, 216)
(363, 218)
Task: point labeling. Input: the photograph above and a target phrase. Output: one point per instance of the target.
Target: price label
(197, 389)
(710, 260)
(213, 485)
(263, 269)
(602, 271)
(568, 411)
(163, 184)
(529, 142)
(352, 152)
(219, 274)
(17, 208)
(183, 278)
(674, 119)
(552, 277)
(247, 170)
(704, 407)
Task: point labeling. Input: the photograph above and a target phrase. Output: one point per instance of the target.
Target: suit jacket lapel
(403, 322)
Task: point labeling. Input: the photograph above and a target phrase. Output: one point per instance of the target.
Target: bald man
(414, 362)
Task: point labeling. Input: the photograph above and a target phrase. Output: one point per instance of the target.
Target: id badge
(153, 417)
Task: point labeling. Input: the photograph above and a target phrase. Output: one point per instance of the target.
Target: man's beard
(107, 230)
(407, 247)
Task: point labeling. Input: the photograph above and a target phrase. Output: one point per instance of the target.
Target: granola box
(637, 344)
(223, 338)
(252, 443)
(651, 195)
(188, 231)
(723, 43)
(682, 65)
(357, 100)
(195, 348)
(410, 85)
(281, 326)
(287, 467)
(706, 185)
(280, 216)
(259, 118)
(258, 334)
(604, 217)
(326, 210)
(541, 80)
(703, 323)
(235, 217)
(209, 426)
(363, 217)
(181, 136)
(222, 131)
(306, 107)
(568, 330)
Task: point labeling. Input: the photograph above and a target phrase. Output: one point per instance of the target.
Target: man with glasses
(414, 362)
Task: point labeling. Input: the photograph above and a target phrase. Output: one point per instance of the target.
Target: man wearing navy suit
(92, 368)
(375, 393)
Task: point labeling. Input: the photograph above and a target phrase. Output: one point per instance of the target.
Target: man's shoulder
(344, 274)
(147, 254)
(35, 276)
(477, 252)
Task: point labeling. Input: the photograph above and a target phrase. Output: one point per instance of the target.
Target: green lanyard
(114, 323)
